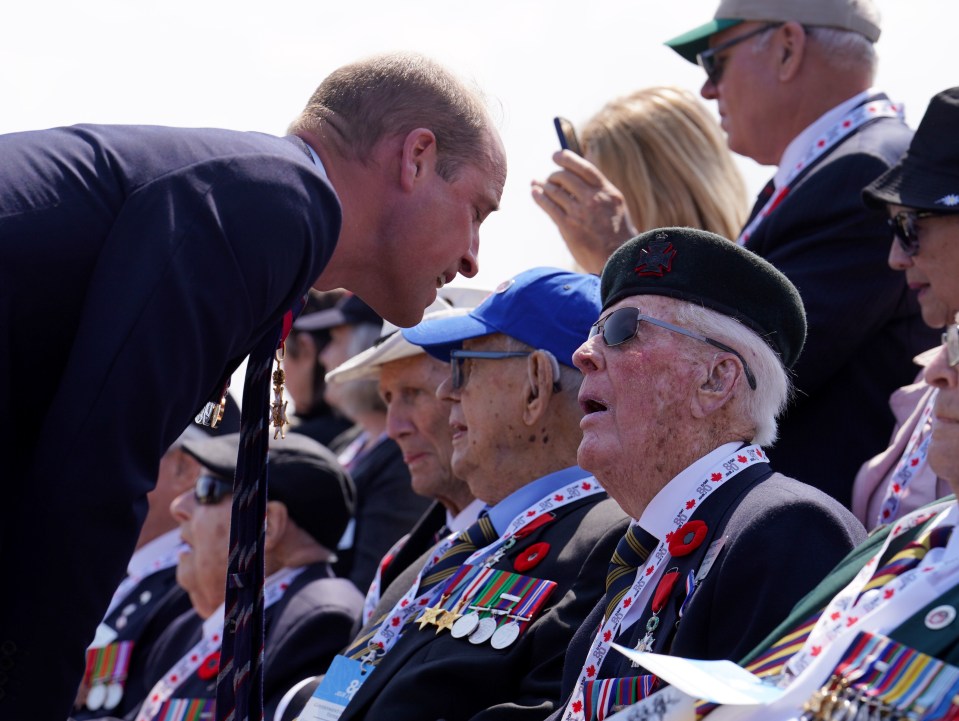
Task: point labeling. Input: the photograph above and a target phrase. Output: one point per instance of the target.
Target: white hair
(764, 404)
(845, 49)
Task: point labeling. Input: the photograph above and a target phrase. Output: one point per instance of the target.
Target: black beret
(303, 474)
(709, 270)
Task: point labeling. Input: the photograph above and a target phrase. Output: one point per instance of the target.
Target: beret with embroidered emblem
(709, 270)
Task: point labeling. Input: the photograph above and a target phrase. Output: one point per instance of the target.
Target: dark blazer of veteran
(864, 323)
(781, 538)
(304, 630)
(138, 267)
(428, 675)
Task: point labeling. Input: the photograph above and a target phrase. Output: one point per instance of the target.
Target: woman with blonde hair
(651, 159)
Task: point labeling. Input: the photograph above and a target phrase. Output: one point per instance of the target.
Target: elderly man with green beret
(685, 371)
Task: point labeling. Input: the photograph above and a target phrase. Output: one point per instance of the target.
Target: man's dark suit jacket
(782, 538)
(864, 323)
(428, 676)
(304, 631)
(138, 266)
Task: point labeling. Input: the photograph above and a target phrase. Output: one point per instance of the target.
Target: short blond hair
(668, 157)
(394, 94)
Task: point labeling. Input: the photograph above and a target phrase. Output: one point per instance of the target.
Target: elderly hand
(589, 211)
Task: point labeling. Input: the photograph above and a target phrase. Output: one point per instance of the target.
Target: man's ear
(277, 520)
(543, 370)
(723, 371)
(418, 159)
(792, 49)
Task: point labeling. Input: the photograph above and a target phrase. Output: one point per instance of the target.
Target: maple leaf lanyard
(212, 639)
(392, 625)
(835, 134)
(891, 603)
(702, 487)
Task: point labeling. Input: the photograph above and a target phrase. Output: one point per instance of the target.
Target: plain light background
(252, 65)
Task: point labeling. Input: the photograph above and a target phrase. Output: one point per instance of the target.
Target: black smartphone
(567, 135)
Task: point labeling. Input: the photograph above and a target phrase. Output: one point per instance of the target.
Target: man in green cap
(793, 83)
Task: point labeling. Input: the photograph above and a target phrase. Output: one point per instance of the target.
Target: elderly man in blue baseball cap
(483, 620)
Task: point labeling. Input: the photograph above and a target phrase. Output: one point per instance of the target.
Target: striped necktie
(772, 661)
(631, 553)
(479, 535)
(239, 686)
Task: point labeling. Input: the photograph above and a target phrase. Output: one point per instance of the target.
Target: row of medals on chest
(470, 626)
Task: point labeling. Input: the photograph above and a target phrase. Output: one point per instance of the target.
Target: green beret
(709, 270)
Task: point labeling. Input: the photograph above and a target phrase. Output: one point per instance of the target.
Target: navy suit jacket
(864, 323)
(304, 630)
(428, 676)
(782, 538)
(138, 266)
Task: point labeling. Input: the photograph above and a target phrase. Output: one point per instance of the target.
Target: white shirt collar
(657, 518)
(465, 518)
(797, 149)
(319, 163)
(143, 558)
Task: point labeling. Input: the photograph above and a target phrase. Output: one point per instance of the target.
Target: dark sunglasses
(707, 58)
(623, 324)
(458, 356)
(210, 490)
(950, 339)
(905, 229)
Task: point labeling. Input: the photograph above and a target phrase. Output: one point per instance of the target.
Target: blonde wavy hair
(668, 157)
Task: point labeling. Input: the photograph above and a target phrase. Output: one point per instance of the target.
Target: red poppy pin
(210, 666)
(687, 538)
(531, 557)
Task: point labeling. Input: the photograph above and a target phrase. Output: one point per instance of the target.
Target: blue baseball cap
(544, 308)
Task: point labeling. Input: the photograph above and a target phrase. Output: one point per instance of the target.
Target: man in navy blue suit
(140, 265)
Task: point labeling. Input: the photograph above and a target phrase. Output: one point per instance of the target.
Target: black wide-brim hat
(706, 269)
(927, 176)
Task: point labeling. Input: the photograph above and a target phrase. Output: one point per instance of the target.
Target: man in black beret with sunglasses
(684, 374)
(793, 83)
(309, 612)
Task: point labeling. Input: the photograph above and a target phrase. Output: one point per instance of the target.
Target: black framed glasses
(905, 229)
(210, 490)
(708, 60)
(950, 339)
(623, 324)
(458, 356)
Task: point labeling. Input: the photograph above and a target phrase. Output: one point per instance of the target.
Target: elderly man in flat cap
(792, 80)
(309, 612)
(684, 374)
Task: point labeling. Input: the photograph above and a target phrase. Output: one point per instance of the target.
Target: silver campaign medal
(114, 695)
(96, 697)
(484, 631)
(505, 635)
(465, 625)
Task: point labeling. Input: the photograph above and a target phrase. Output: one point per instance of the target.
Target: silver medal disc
(114, 695)
(96, 697)
(483, 631)
(505, 635)
(465, 625)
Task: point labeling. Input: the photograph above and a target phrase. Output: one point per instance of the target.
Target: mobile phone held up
(567, 135)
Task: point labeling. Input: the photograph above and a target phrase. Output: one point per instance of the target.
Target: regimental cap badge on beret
(656, 259)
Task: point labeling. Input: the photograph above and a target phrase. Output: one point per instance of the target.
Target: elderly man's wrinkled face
(205, 528)
(637, 398)
(944, 446)
(487, 418)
(419, 421)
(933, 272)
